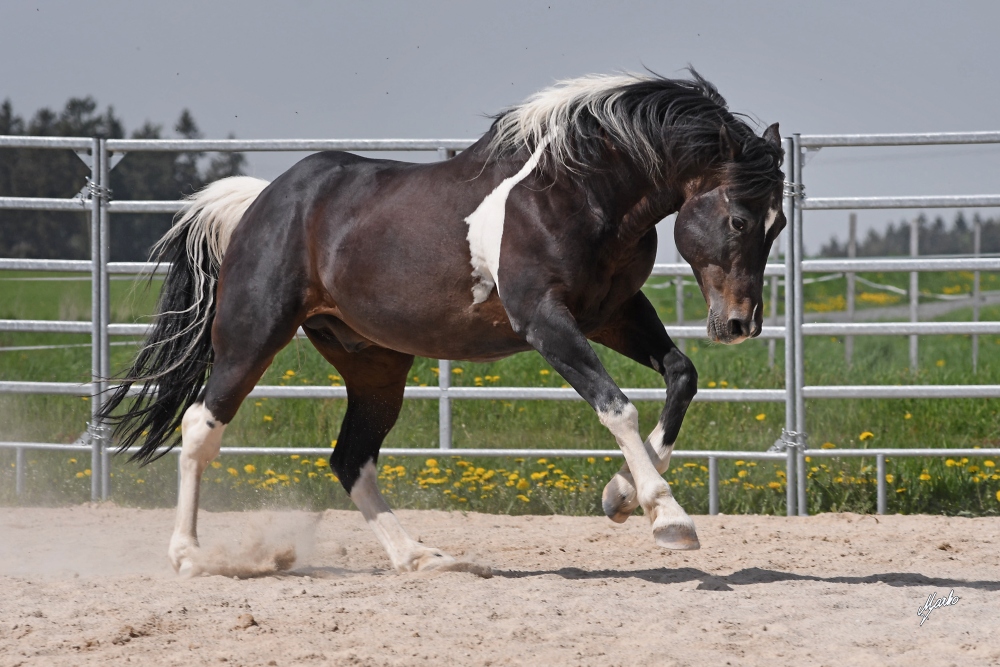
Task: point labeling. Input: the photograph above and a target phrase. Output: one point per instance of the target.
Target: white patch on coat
(771, 216)
(406, 554)
(486, 230)
(201, 438)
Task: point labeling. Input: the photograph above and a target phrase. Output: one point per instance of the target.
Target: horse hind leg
(242, 355)
(375, 379)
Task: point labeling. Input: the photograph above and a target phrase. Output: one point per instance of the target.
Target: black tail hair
(174, 362)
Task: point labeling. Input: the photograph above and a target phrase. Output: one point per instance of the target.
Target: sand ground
(91, 585)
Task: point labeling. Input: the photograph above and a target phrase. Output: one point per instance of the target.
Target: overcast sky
(435, 69)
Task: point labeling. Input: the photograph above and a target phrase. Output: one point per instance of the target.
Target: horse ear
(772, 136)
(730, 149)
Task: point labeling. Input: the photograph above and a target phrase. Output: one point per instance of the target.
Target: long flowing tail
(173, 363)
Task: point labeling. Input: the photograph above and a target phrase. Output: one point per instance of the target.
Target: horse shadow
(749, 576)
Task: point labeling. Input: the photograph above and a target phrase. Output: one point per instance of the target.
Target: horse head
(725, 229)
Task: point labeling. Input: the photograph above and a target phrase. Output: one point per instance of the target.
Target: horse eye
(739, 224)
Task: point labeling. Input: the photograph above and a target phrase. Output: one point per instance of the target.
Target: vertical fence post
(914, 295)
(679, 302)
(977, 241)
(713, 485)
(444, 370)
(772, 345)
(798, 312)
(96, 349)
(105, 217)
(19, 471)
(788, 205)
(852, 252)
(880, 471)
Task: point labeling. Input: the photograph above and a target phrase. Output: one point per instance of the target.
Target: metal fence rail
(793, 448)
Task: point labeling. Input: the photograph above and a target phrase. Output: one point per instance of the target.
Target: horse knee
(681, 375)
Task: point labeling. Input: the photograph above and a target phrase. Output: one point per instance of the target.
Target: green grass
(845, 484)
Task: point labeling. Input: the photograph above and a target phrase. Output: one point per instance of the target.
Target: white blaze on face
(486, 230)
(771, 217)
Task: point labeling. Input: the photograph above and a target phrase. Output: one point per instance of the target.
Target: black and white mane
(667, 127)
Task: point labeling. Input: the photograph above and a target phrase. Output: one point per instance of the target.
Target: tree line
(934, 238)
(57, 173)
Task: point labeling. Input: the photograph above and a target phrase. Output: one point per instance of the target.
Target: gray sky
(434, 69)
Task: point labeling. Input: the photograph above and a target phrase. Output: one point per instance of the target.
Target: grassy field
(570, 486)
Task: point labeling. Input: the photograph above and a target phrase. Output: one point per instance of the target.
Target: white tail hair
(208, 220)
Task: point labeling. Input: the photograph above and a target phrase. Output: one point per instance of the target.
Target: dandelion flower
(290, 372)
(544, 371)
(523, 484)
(457, 371)
(80, 475)
(989, 464)
(998, 496)
(591, 459)
(431, 463)
(761, 417)
(233, 471)
(87, 472)
(249, 469)
(907, 416)
(320, 463)
(524, 498)
(72, 460)
(890, 478)
(939, 363)
(924, 477)
(268, 418)
(774, 485)
(711, 384)
(742, 473)
(867, 435)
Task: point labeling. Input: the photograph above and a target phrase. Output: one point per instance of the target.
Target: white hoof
(672, 527)
(426, 559)
(181, 554)
(619, 499)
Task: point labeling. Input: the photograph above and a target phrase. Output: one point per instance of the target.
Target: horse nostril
(739, 328)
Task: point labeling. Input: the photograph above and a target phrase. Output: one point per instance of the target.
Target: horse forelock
(667, 127)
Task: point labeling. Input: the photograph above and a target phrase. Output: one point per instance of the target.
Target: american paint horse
(539, 236)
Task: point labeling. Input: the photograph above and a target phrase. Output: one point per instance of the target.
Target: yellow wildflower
(774, 485)
(233, 471)
(907, 416)
(924, 477)
(867, 435)
(828, 445)
(522, 485)
(544, 371)
(525, 498)
(457, 371)
(761, 417)
(939, 363)
(249, 469)
(431, 463)
(216, 465)
(890, 478)
(591, 459)
(711, 384)
(268, 418)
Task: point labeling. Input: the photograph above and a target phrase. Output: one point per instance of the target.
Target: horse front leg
(636, 332)
(551, 329)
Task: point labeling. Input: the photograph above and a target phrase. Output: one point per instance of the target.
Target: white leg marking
(201, 436)
(405, 553)
(771, 215)
(486, 229)
(672, 527)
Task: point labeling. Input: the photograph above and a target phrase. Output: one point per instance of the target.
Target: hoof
(425, 560)
(186, 569)
(677, 534)
(619, 499)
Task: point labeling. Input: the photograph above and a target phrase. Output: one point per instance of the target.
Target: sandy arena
(91, 585)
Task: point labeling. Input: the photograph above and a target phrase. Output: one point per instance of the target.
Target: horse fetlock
(620, 498)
